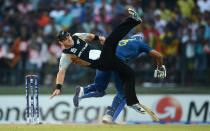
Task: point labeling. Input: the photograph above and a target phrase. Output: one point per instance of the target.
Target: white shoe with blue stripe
(138, 108)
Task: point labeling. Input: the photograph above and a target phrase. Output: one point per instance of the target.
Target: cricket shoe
(138, 108)
(134, 15)
(77, 96)
(107, 119)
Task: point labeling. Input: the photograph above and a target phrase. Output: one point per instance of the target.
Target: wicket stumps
(32, 112)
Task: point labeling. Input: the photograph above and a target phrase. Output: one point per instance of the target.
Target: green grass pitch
(100, 127)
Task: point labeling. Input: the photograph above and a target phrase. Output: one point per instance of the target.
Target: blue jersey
(131, 48)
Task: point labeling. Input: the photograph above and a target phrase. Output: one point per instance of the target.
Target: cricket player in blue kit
(126, 50)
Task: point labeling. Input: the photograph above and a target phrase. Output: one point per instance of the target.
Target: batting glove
(160, 72)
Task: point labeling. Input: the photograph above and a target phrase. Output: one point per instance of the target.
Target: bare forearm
(159, 61)
(59, 83)
(92, 37)
(157, 56)
(60, 77)
(102, 39)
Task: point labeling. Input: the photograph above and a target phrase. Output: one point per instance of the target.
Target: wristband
(96, 37)
(58, 86)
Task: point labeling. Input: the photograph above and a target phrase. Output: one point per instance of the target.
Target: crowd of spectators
(179, 29)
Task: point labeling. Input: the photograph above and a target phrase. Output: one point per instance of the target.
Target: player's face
(68, 42)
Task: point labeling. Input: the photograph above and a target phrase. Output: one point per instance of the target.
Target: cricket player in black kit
(84, 54)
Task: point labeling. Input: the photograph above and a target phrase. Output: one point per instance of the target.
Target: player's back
(131, 48)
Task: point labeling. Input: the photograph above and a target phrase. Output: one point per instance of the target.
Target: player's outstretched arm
(90, 37)
(63, 65)
(157, 56)
(59, 82)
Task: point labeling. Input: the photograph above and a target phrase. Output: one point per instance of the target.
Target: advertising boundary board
(169, 108)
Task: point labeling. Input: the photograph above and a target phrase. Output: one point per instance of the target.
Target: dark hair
(62, 35)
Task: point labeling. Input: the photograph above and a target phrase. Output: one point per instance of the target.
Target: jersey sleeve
(81, 35)
(143, 47)
(64, 62)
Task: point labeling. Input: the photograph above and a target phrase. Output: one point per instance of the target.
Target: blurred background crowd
(179, 29)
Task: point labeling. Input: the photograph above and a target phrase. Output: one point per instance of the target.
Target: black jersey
(80, 52)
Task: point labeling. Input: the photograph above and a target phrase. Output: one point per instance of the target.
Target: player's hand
(160, 72)
(56, 92)
(102, 39)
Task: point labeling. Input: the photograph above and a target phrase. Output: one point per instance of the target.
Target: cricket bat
(150, 112)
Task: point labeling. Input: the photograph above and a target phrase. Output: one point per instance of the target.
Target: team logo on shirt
(73, 50)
